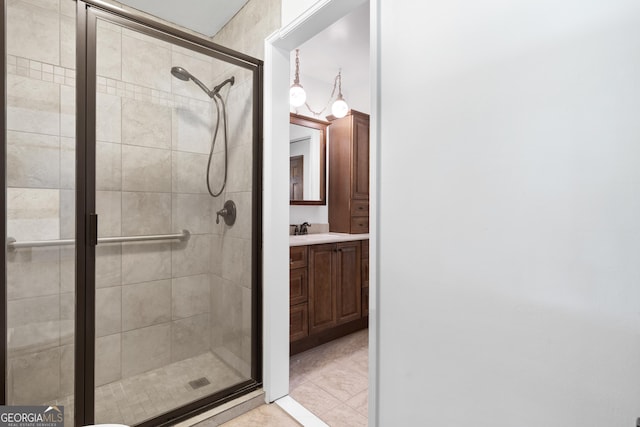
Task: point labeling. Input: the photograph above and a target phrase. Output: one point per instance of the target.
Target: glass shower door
(174, 287)
(40, 207)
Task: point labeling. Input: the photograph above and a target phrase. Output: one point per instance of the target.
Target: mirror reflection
(307, 158)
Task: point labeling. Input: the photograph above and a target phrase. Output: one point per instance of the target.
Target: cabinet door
(322, 289)
(298, 322)
(348, 283)
(298, 286)
(360, 177)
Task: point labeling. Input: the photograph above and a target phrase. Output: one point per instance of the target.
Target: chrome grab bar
(12, 244)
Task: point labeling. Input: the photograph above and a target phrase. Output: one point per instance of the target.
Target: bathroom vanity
(329, 287)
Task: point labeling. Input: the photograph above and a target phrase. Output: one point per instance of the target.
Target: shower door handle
(92, 224)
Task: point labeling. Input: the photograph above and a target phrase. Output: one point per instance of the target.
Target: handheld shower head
(181, 73)
(184, 75)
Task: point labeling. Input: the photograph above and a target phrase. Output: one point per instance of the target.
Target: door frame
(278, 47)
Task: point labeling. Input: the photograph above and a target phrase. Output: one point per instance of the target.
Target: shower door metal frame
(3, 204)
(87, 13)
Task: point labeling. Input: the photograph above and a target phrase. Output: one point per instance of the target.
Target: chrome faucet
(303, 228)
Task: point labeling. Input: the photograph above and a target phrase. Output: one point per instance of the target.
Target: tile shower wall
(157, 303)
(40, 197)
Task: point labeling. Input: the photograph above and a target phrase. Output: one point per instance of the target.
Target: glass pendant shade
(297, 95)
(340, 108)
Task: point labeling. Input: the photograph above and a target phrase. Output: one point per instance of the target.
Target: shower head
(184, 75)
(180, 73)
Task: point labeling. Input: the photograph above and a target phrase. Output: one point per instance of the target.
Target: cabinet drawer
(298, 322)
(297, 257)
(359, 208)
(359, 224)
(298, 286)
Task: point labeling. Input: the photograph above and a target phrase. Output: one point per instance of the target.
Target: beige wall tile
(108, 355)
(192, 212)
(33, 31)
(33, 214)
(146, 304)
(33, 105)
(189, 172)
(240, 173)
(108, 118)
(67, 111)
(68, 8)
(33, 324)
(108, 166)
(67, 317)
(109, 210)
(108, 311)
(192, 257)
(67, 269)
(145, 349)
(145, 62)
(146, 124)
(146, 213)
(146, 169)
(190, 296)
(108, 265)
(31, 160)
(67, 214)
(68, 41)
(35, 378)
(193, 129)
(67, 163)
(33, 272)
(67, 368)
(109, 51)
(236, 261)
(145, 262)
(189, 337)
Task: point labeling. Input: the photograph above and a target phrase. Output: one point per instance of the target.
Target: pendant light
(297, 95)
(339, 107)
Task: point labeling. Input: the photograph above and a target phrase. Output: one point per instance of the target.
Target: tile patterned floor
(330, 380)
(135, 399)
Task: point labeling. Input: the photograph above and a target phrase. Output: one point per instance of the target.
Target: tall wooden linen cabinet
(349, 173)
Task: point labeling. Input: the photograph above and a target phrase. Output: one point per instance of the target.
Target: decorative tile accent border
(67, 76)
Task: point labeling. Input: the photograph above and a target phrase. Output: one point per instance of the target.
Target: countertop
(320, 238)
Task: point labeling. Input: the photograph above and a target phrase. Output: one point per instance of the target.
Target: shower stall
(130, 293)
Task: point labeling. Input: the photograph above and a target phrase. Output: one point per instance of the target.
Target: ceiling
(344, 44)
(203, 16)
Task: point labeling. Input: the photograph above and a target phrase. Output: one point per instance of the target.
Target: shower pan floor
(135, 399)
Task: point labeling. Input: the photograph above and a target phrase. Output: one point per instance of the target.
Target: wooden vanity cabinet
(298, 293)
(349, 173)
(334, 285)
(327, 294)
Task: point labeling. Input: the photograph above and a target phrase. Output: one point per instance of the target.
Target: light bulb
(297, 95)
(340, 108)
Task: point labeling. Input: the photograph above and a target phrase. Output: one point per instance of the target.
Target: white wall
(509, 280)
(291, 9)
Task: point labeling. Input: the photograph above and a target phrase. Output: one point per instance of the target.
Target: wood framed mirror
(308, 160)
